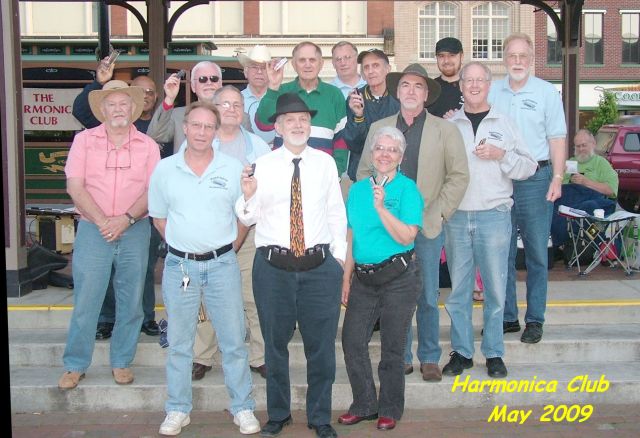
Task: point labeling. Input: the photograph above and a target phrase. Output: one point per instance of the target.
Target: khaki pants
(206, 344)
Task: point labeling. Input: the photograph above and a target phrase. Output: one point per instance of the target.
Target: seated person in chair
(594, 186)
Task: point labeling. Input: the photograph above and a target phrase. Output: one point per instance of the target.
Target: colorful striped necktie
(295, 212)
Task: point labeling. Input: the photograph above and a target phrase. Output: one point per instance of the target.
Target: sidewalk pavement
(606, 421)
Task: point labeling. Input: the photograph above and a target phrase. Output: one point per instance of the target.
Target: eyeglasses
(149, 91)
(258, 67)
(213, 79)
(343, 58)
(228, 105)
(518, 56)
(390, 150)
(479, 81)
(117, 159)
(198, 126)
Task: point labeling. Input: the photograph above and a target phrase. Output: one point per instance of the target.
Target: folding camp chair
(599, 236)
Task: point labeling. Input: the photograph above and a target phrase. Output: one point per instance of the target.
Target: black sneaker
(532, 333)
(496, 367)
(103, 330)
(457, 364)
(510, 326)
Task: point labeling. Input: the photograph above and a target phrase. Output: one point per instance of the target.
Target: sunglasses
(212, 79)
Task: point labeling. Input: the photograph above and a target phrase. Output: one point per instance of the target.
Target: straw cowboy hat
(415, 69)
(290, 103)
(259, 54)
(97, 96)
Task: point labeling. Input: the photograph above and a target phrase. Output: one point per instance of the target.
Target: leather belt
(201, 257)
(282, 258)
(543, 163)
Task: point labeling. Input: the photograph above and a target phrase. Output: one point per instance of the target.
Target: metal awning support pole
(104, 33)
(157, 12)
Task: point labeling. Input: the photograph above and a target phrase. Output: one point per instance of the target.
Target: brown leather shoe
(122, 376)
(198, 371)
(69, 380)
(262, 370)
(430, 372)
(408, 369)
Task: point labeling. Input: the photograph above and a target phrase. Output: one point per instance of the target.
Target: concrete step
(561, 343)
(595, 310)
(34, 389)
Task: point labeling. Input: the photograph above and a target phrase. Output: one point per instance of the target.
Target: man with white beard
(536, 107)
(594, 186)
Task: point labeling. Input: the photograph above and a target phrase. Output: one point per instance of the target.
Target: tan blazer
(443, 173)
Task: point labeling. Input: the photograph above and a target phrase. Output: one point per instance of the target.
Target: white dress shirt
(323, 210)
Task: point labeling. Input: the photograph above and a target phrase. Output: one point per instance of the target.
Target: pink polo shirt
(115, 179)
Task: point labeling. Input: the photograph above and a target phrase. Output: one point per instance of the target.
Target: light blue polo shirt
(199, 209)
(537, 110)
(251, 103)
(345, 88)
(372, 243)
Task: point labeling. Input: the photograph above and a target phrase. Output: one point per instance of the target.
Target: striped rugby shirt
(327, 125)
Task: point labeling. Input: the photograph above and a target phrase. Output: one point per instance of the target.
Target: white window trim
(629, 11)
(594, 11)
(489, 17)
(456, 17)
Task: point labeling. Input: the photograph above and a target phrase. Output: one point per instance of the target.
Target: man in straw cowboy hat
(436, 160)
(255, 70)
(108, 171)
(295, 201)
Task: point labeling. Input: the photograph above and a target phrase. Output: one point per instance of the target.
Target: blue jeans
(312, 299)
(482, 239)
(582, 198)
(531, 213)
(394, 303)
(427, 314)
(108, 311)
(217, 281)
(93, 259)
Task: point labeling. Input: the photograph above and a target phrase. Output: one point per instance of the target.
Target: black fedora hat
(414, 69)
(290, 103)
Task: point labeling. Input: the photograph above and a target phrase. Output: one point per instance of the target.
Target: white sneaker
(174, 422)
(247, 421)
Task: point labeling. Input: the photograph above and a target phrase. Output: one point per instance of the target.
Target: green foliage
(606, 113)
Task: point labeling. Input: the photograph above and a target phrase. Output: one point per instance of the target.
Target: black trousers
(312, 299)
(394, 303)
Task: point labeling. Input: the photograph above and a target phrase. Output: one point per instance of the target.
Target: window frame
(491, 17)
(438, 34)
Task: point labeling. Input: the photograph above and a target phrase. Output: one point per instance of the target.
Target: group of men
(260, 234)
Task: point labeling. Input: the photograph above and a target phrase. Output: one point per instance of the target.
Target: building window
(630, 38)
(436, 21)
(593, 41)
(554, 46)
(490, 26)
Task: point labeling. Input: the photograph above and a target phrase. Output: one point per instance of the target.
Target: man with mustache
(82, 112)
(594, 186)
(449, 57)
(536, 107)
(108, 172)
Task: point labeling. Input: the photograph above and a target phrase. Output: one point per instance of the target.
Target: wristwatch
(132, 220)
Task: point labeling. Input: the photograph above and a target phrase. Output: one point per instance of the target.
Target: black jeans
(312, 299)
(394, 303)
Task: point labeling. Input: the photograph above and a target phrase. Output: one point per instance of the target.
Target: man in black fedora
(435, 158)
(293, 196)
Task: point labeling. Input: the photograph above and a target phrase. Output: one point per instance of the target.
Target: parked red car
(619, 143)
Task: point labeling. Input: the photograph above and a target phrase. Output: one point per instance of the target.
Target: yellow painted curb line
(568, 303)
